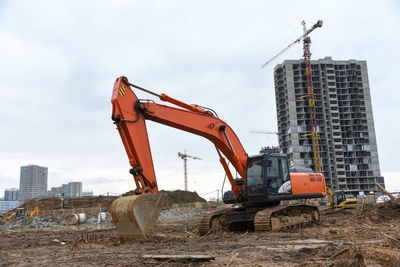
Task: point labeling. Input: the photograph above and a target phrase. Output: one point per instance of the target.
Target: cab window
(340, 198)
(274, 177)
(285, 170)
(272, 167)
(255, 185)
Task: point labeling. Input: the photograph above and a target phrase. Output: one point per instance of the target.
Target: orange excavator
(264, 179)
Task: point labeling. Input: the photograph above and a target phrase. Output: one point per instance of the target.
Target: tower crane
(310, 88)
(185, 156)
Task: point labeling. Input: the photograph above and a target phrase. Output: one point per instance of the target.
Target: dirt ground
(345, 237)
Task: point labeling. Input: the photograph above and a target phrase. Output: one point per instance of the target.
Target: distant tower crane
(310, 88)
(264, 132)
(185, 156)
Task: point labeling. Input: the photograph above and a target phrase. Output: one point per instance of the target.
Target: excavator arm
(129, 114)
(136, 215)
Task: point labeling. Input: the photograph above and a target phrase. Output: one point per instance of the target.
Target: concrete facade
(32, 183)
(348, 149)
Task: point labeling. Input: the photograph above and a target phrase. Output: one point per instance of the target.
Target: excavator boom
(129, 115)
(136, 215)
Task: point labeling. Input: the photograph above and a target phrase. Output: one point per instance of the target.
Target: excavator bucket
(135, 216)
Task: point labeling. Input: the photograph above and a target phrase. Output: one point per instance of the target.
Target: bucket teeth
(135, 216)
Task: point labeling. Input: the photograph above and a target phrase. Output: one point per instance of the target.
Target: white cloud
(59, 60)
(392, 181)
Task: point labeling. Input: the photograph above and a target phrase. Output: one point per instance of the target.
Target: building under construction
(343, 112)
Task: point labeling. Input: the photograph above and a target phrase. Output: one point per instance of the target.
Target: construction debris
(345, 237)
(180, 214)
(73, 218)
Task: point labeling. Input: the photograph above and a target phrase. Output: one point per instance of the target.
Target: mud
(345, 237)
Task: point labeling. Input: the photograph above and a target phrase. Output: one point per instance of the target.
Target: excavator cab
(20, 212)
(268, 180)
(265, 176)
(344, 199)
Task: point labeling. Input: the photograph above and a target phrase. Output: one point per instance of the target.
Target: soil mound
(387, 211)
(175, 197)
(55, 203)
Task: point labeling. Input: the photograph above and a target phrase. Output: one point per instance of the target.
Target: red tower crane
(310, 88)
(311, 98)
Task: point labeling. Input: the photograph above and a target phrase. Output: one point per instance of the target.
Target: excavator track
(285, 216)
(269, 219)
(204, 224)
(211, 220)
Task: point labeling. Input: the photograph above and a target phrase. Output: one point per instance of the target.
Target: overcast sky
(59, 60)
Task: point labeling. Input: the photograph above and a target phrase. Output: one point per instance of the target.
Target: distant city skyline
(72, 189)
(34, 181)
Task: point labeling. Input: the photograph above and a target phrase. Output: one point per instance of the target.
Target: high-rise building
(55, 192)
(32, 183)
(11, 194)
(74, 189)
(347, 141)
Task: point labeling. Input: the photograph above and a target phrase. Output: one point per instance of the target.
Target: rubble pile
(45, 222)
(35, 222)
(180, 214)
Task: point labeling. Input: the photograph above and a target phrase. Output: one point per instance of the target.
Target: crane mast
(185, 157)
(310, 89)
(311, 100)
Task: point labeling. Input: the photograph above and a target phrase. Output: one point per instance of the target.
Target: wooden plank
(179, 257)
